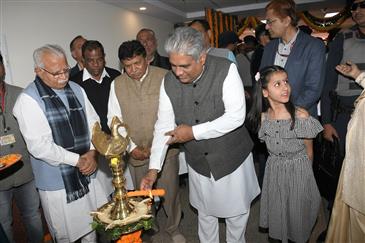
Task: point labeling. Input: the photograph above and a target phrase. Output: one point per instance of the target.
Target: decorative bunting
(325, 24)
(220, 22)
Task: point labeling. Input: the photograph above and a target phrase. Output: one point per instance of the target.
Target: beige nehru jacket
(138, 102)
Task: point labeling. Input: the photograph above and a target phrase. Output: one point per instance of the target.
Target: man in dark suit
(302, 55)
(148, 40)
(75, 48)
(96, 78)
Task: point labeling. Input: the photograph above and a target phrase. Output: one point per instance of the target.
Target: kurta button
(206, 153)
(277, 142)
(277, 131)
(194, 85)
(196, 121)
(279, 153)
(196, 103)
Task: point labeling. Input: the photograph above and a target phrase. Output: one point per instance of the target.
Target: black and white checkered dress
(290, 198)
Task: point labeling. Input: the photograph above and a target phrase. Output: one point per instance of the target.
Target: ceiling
(178, 11)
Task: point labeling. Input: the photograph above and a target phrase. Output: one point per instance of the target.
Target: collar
(200, 75)
(292, 41)
(86, 75)
(144, 75)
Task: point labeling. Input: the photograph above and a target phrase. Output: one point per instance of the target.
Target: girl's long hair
(261, 104)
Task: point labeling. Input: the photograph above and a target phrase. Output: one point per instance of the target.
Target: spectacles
(270, 22)
(65, 71)
(354, 6)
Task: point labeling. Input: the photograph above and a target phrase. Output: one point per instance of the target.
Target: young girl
(290, 198)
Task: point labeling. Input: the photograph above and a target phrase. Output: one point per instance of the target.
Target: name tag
(7, 140)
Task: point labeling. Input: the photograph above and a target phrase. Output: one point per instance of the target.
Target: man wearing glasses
(55, 118)
(302, 56)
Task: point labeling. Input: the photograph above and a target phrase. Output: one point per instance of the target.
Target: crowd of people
(226, 108)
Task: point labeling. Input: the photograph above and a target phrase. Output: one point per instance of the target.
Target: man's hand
(329, 132)
(87, 162)
(148, 180)
(140, 153)
(181, 134)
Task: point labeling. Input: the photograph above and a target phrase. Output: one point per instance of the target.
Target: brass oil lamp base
(122, 215)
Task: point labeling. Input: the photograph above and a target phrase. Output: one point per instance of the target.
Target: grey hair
(39, 52)
(186, 41)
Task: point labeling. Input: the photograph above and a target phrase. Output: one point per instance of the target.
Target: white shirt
(37, 133)
(86, 75)
(115, 110)
(233, 117)
(284, 50)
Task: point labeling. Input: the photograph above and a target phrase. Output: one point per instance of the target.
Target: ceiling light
(142, 8)
(329, 15)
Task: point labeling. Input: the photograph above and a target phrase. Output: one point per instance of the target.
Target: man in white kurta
(67, 220)
(218, 188)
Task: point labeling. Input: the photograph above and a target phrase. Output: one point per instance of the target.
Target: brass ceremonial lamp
(113, 147)
(122, 215)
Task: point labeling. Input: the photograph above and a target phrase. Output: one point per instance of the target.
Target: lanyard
(6, 128)
(2, 101)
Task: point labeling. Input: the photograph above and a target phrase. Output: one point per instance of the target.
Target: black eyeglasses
(65, 71)
(354, 6)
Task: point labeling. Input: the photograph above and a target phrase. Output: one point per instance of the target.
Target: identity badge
(7, 139)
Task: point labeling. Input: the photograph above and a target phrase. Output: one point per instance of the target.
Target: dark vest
(201, 102)
(98, 94)
(19, 173)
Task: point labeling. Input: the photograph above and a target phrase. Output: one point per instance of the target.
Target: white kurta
(232, 194)
(37, 133)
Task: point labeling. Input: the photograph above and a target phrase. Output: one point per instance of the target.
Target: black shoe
(322, 236)
(147, 236)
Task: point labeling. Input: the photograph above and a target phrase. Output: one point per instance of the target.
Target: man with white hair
(202, 107)
(55, 118)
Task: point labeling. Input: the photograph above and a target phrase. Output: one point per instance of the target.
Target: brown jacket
(138, 102)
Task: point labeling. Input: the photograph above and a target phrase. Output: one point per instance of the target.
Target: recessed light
(329, 15)
(142, 8)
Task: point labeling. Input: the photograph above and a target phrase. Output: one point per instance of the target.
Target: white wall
(28, 25)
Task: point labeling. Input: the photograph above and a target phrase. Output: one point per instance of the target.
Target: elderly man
(134, 96)
(55, 118)
(148, 39)
(17, 182)
(201, 107)
(75, 48)
(302, 55)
